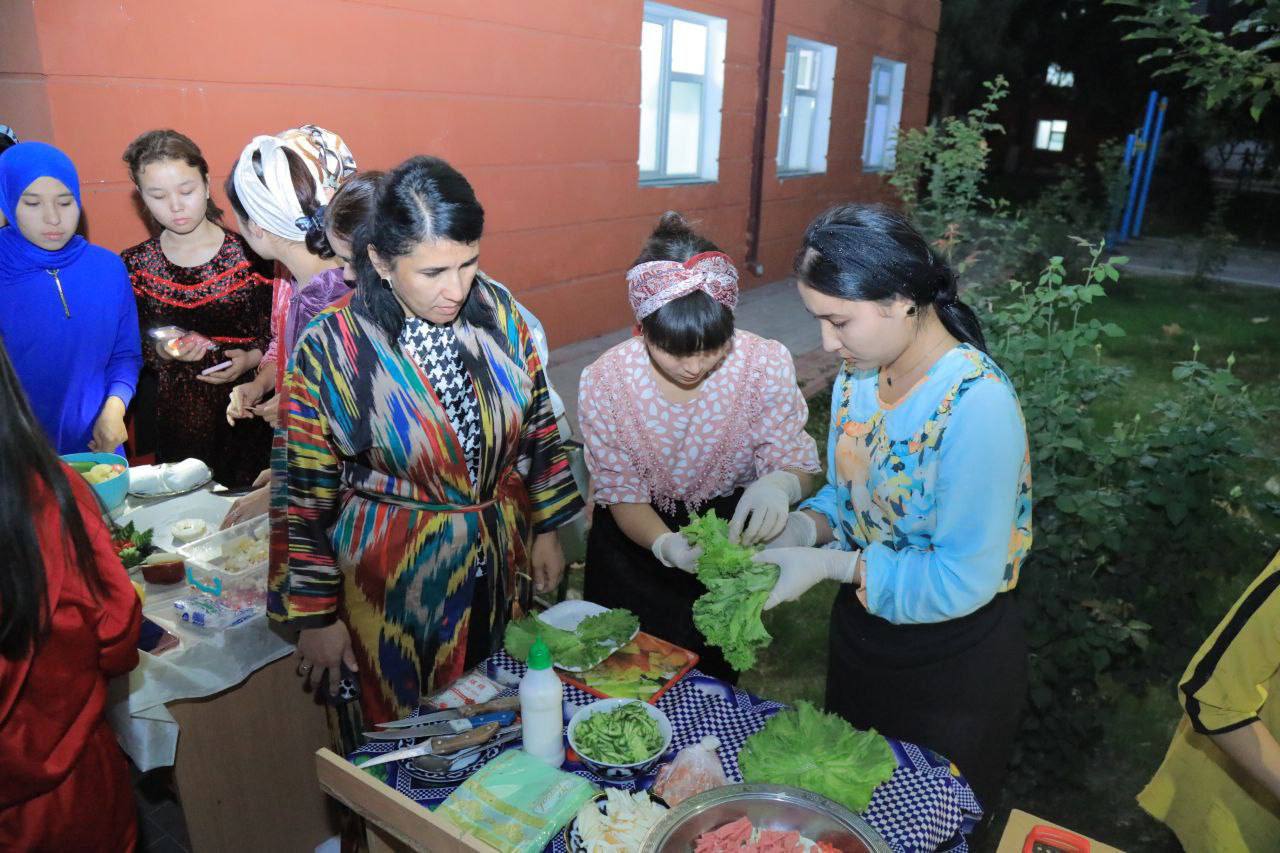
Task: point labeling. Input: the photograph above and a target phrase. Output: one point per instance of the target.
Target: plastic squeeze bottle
(541, 694)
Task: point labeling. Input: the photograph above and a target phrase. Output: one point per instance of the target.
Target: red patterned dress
(227, 299)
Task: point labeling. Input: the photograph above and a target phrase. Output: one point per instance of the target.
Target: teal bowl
(113, 492)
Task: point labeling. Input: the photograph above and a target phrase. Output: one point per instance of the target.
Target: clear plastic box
(231, 564)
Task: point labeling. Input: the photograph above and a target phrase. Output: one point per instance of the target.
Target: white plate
(567, 614)
(159, 517)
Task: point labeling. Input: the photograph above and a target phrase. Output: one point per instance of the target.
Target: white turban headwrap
(271, 200)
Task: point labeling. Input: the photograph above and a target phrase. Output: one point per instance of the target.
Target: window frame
(712, 101)
(1054, 133)
(820, 121)
(897, 87)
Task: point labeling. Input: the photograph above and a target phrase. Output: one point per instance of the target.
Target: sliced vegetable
(624, 735)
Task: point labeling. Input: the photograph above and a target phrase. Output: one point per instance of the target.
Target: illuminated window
(1055, 76)
(1051, 134)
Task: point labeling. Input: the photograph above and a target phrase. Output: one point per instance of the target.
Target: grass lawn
(1162, 319)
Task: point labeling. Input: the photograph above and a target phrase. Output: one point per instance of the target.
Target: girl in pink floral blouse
(688, 415)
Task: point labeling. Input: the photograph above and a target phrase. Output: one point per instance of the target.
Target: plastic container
(541, 714)
(111, 492)
(231, 565)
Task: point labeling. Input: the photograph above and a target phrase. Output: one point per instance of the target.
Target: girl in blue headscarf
(68, 319)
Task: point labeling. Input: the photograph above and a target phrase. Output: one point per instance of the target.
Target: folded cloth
(169, 478)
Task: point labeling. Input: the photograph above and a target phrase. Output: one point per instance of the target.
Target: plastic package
(695, 769)
(231, 564)
(516, 802)
(472, 688)
(541, 709)
(205, 611)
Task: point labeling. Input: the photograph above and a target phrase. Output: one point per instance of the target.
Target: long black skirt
(956, 687)
(620, 573)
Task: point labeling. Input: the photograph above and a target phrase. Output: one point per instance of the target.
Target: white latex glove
(801, 531)
(767, 502)
(674, 551)
(804, 567)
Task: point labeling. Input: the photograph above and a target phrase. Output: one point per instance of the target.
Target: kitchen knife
(440, 745)
(444, 727)
(504, 703)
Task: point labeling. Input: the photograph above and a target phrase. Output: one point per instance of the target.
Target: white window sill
(675, 182)
(786, 176)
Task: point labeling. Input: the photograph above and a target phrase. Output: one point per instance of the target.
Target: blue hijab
(20, 167)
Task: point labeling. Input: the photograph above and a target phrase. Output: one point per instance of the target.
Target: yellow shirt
(1209, 802)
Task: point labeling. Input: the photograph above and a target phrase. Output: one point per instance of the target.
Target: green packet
(517, 802)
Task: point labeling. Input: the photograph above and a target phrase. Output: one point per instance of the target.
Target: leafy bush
(1131, 524)
(939, 176)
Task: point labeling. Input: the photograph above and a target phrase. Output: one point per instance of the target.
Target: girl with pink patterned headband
(689, 414)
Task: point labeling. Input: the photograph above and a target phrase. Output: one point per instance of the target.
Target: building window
(1051, 135)
(681, 91)
(805, 124)
(1055, 76)
(884, 112)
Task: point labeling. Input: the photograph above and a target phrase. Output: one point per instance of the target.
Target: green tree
(1233, 68)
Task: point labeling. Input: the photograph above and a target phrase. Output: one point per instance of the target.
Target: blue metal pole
(1151, 164)
(1141, 149)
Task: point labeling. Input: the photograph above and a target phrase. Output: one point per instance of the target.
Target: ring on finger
(305, 668)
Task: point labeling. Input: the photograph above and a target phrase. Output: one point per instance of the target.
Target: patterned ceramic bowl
(620, 772)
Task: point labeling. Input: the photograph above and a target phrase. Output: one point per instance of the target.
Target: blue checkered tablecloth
(925, 805)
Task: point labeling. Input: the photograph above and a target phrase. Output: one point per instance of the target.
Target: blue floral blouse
(934, 489)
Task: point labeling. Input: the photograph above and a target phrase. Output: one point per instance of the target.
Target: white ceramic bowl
(620, 772)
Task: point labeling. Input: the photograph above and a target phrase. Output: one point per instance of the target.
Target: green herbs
(595, 638)
(806, 748)
(728, 615)
(132, 545)
(623, 735)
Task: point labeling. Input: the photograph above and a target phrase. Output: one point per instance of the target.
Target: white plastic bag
(695, 769)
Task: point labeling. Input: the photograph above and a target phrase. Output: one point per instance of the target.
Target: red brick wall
(536, 101)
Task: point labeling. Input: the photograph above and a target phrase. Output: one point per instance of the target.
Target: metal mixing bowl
(767, 807)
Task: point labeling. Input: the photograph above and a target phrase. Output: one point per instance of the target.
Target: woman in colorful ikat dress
(425, 474)
(202, 278)
(689, 415)
(928, 500)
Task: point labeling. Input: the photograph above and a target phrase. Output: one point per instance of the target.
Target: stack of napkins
(169, 478)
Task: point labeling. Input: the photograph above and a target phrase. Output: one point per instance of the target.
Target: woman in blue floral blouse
(927, 500)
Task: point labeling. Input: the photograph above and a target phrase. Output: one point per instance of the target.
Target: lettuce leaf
(820, 752)
(613, 626)
(585, 646)
(729, 613)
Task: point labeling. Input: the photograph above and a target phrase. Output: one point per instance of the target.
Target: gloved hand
(674, 551)
(804, 567)
(766, 502)
(801, 530)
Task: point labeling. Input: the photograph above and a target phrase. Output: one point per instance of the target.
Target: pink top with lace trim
(747, 421)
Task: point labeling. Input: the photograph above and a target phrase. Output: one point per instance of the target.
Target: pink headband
(655, 283)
